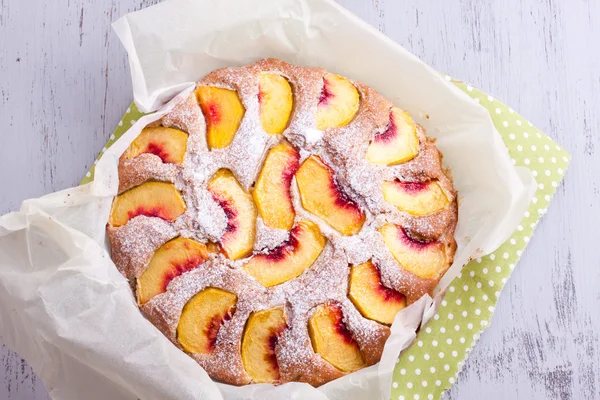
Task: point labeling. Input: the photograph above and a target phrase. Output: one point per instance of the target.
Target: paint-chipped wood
(64, 84)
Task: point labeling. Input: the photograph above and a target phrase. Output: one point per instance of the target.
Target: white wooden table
(64, 84)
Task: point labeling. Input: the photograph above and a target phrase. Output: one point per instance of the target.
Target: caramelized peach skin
(166, 143)
(416, 198)
(374, 300)
(202, 318)
(399, 142)
(238, 239)
(223, 111)
(172, 259)
(291, 258)
(332, 340)
(320, 195)
(259, 343)
(424, 259)
(338, 102)
(152, 199)
(275, 101)
(272, 191)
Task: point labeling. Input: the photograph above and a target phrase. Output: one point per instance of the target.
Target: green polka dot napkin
(429, 367)
(131, 116)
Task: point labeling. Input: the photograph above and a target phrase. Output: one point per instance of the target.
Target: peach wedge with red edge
(416, 198)
(338, 102)
(272, 191)
(223, 111)
(424, 259)
(276, 101)
(238, 240)
(291, 258)
(166, 143)
(320, 195)
(202, 317)
(399, 142)
(374, 300)
(259, 342)
(153, 199)
(172, 259)
(332, 340)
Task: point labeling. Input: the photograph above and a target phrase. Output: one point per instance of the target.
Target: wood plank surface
(64, 84)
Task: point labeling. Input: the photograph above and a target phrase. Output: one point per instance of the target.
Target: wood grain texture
(64, 84)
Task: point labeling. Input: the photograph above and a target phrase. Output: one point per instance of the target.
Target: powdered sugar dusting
(205, 217)
(268, 238)
(134, 243)
(142, 168)
(327, 280)
(312, 136)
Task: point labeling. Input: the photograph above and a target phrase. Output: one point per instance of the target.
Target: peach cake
(274, 223)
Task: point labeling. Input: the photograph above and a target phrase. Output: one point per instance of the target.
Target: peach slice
(399, 143)
(223, 111)
(167, 143)
(321, 196)
(416, 198)
(332, 340)
(374, 300)
(276, 101)
(153, 199)
(338, 102)
(272, 191)
(238, 239)
(291, 258)
(424, 259)
(172, 259)
(202, 317)
(213, 247)
(258, 344)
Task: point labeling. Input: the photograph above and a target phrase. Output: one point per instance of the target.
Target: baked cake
(274, 222)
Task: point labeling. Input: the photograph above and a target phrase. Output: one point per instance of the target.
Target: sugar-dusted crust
(326, 280)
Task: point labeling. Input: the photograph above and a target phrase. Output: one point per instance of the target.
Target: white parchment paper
(65, 308)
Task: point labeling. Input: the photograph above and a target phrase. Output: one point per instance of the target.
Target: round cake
(275, 221)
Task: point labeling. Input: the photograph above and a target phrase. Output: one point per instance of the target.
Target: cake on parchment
(274, 223)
